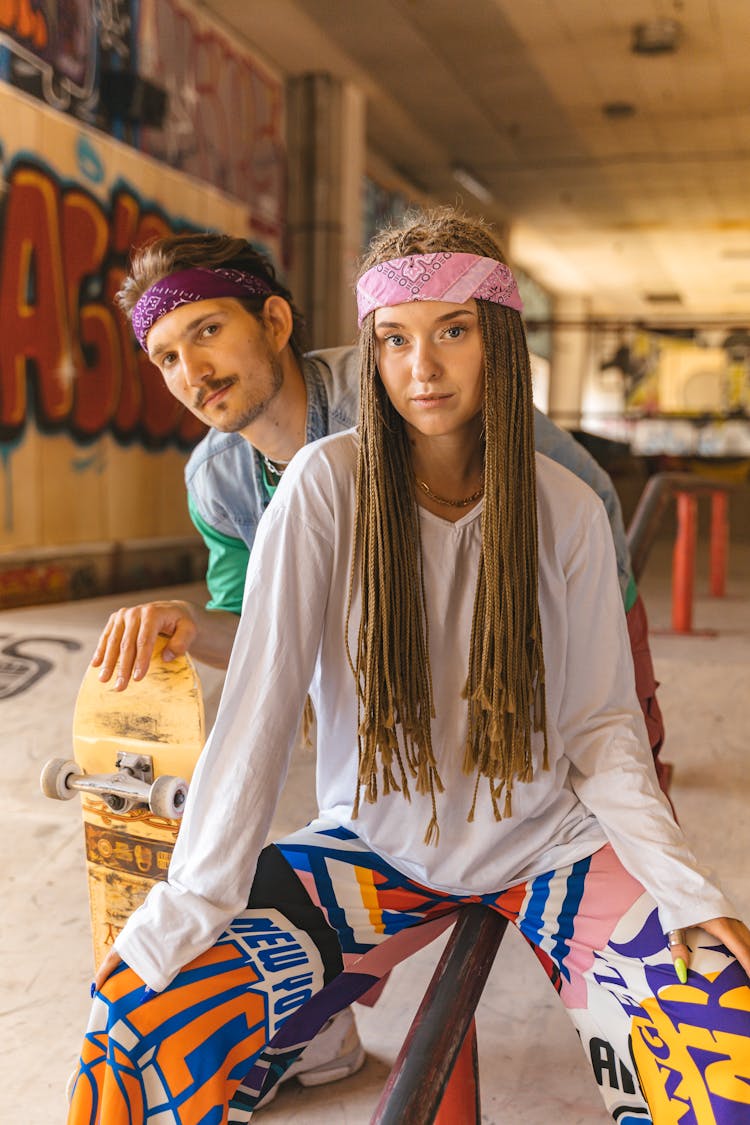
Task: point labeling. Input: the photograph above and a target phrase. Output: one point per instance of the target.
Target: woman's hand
(107, 967)
(729, 931)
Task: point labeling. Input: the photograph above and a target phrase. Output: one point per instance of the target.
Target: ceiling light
(656, 37)
(618, 110)
(663, 298)
(468, 180)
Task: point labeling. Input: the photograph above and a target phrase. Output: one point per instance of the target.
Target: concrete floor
(532, 1068)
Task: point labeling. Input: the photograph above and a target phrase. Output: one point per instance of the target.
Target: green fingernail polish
(681, 970)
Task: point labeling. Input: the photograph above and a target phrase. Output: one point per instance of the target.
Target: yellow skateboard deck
(134, 750)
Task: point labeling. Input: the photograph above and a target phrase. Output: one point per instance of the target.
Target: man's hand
(127, 641)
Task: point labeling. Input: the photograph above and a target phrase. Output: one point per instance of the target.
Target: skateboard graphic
(134, 754)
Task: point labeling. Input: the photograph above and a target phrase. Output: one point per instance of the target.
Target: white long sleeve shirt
(601, 783)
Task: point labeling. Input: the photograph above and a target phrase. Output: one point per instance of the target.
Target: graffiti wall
(119, 120)
(92, 446)
(200, 102)
(224, 118)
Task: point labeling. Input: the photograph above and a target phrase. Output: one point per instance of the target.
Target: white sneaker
(335, 1052)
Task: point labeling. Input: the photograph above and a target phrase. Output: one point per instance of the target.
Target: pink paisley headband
(436, 277)
(188, 286)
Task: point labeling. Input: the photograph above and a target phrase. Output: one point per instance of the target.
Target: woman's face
(430, 360)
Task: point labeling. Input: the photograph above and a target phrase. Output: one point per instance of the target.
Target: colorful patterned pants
(327, 919)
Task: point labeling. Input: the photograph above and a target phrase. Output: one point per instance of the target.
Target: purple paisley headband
(187, 286)
(436, 277)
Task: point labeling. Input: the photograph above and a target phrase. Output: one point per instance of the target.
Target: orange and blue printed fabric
(327, 918)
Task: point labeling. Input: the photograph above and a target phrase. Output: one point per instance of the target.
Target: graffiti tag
(19, 670)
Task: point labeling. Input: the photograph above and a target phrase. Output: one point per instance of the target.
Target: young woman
(450, 600)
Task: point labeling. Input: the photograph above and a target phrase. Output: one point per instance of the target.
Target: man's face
(217, 359)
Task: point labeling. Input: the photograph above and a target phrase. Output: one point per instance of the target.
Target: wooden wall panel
(92, 447)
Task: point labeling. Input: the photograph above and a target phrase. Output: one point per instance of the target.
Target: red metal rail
(417, 1083)
(685, 489)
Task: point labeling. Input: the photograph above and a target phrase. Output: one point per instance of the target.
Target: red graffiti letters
(26, 21)
(63, 346)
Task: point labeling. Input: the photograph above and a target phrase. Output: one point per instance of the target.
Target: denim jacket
(223, 475)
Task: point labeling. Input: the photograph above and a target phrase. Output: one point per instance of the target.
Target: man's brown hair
(163, 256)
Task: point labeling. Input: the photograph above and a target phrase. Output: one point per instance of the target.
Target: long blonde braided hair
(391, 663)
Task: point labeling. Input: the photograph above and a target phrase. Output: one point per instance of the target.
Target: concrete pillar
(326, 152)
(570, 360)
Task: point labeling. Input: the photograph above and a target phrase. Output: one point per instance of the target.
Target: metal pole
(649, 514)
(683, 562)
(719, 542)
(460, 1103)
(416, 1084)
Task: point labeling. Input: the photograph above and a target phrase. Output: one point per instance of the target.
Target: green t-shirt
(631, 594)
(227, 558)
(227, 565)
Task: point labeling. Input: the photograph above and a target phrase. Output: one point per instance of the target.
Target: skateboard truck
(126, 750)
(132, 784)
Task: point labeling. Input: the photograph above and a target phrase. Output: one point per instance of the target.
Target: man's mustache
(207, 389)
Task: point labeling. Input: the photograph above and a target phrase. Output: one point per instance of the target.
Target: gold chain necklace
(450, 503)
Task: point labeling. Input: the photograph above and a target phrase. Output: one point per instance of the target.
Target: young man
(238, 364)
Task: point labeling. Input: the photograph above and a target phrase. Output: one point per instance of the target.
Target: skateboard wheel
(55, 776)
(167, 797)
